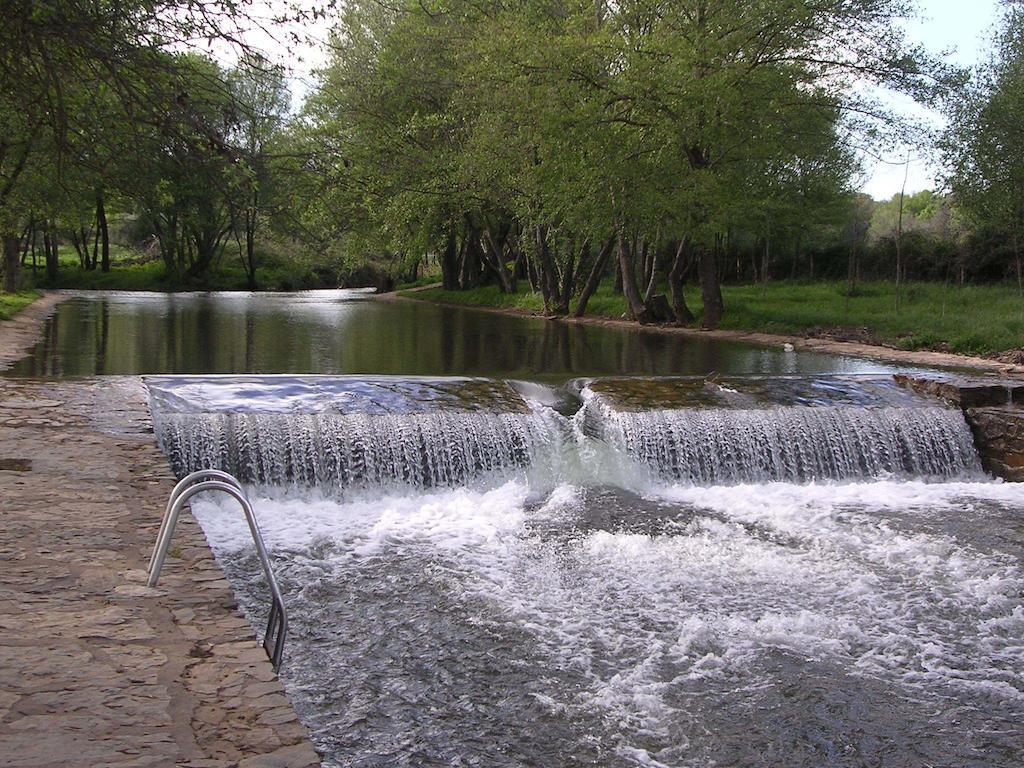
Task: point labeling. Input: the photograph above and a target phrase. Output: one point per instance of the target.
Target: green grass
(485, 296)
(419, 282)
(67, 256)
(975, 320)
(12, 303)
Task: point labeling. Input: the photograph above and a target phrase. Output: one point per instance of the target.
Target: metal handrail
(185, 482)
(273, 641)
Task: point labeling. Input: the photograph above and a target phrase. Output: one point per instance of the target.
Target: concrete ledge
(95, 667)
(965, 391)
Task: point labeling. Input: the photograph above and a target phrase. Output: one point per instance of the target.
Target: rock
(137, 590)
(999, 436)
(19, 404)
(297, 756)
(96, 668)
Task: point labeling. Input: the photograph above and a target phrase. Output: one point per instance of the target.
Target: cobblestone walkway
(95, 668)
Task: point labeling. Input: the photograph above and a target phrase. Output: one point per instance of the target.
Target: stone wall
(999, 436)
(994, 409)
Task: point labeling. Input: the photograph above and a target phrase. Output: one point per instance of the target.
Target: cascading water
(339, 434)
(421, 450)
(452, 440)
(566, 611)
(707, 446)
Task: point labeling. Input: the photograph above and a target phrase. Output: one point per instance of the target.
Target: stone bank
(96, 669)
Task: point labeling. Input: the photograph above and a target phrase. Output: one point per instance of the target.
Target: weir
(626, 551)
(422, 450)
(716, 446)
(344, 433)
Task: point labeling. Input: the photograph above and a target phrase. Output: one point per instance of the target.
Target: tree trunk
(250, 257)
(594, 278)
(544, 268)
(652, 271)
(12, 263)
(676, 278)
(899, 241)
(766, 258)
(51, 253)
(251, 223)
(1020, 272)
(569, 280)
(35, 239)
(104, 232)
(617, 283)
(710, 290)
(469, 268)
(28, 238)
(95, 258)
(449, 261)
(634, 301)
(495, 252)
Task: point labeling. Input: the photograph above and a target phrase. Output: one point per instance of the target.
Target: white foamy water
(746, 625)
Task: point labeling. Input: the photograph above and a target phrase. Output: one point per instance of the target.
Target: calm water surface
(336, 332)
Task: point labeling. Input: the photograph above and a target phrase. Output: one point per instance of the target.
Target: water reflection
(349, 332)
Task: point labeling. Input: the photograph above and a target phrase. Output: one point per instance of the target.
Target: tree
(67, 67)
(984, 146)
(262, 99)
(515, 141)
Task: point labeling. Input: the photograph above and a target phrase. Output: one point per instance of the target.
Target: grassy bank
(972, 320)
(12, 303)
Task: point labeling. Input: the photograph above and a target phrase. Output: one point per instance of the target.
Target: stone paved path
(95, 668)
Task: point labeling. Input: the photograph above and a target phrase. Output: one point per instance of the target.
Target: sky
(961, 25)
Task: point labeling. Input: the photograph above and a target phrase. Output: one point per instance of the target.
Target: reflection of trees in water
(102, 338)
(250, 339)
(577, 349)
(450, 334)
(170, 340)
(265, 334)
(43, 359)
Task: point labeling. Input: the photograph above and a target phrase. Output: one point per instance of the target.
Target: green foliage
(516, 139)
(484, 296)
(984, 146)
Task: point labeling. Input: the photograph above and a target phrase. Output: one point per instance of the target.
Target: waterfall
(422, 450)
(343, 434)
(795, 443)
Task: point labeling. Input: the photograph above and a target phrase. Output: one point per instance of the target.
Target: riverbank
(25, 328)
(12, 303)
(153, 276)
(607, 309)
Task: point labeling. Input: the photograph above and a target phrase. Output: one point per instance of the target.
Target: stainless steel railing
(216, 480)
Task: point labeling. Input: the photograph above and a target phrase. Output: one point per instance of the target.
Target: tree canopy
(543, 146)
